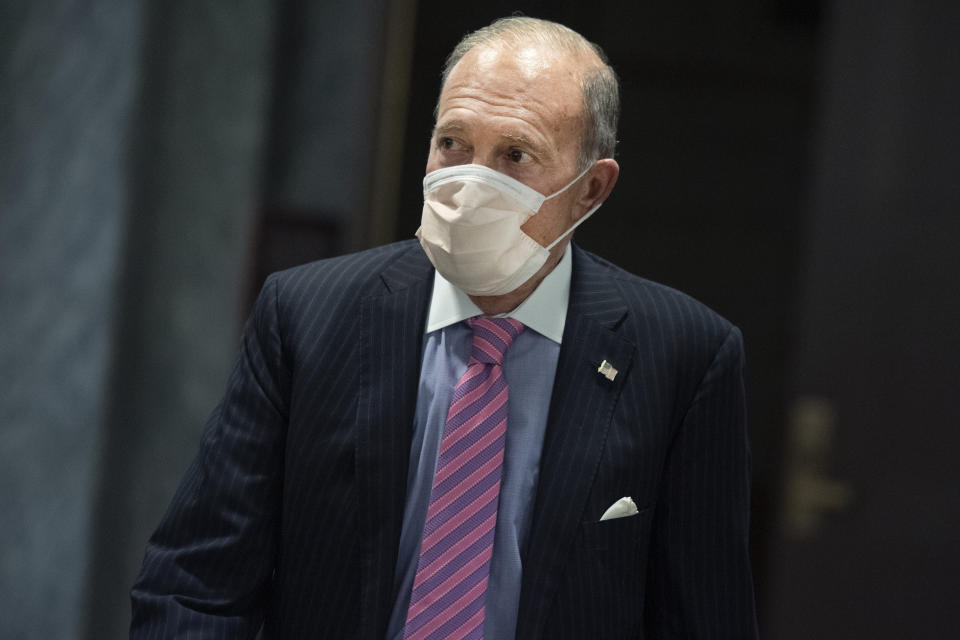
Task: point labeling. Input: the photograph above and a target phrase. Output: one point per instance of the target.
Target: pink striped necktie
(450, 587)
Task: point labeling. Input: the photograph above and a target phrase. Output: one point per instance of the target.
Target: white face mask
(470, 228)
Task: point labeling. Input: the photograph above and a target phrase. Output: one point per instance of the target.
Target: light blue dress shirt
(530, 367)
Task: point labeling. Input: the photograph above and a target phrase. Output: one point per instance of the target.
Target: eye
(448, 144)
(518, 156)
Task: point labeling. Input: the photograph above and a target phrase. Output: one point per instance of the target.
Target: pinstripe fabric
(669, 431)
(291, 512)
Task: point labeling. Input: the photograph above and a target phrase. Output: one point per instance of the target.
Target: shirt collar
(544, 311)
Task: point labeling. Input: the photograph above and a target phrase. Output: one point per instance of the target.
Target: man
(393, 460)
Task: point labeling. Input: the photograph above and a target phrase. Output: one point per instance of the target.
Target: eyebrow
(458, 126)
(454, 126)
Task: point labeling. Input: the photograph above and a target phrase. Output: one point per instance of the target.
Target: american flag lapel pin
(607, 371)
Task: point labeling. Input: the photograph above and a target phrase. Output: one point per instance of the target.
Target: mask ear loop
(569, 184)
(576, 224)
(582, 219)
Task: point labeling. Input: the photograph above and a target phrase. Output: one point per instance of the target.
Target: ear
(598, 185)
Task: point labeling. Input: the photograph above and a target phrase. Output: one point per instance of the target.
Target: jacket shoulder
(661, 309)
(353, 273)
(327, 292)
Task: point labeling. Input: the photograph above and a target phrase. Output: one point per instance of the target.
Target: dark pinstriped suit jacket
(291, 512)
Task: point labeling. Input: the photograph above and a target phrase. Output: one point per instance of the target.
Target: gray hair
(598, 84)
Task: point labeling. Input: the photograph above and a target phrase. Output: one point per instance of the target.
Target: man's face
(516, 111)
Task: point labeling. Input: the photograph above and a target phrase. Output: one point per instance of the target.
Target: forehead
(532, 84)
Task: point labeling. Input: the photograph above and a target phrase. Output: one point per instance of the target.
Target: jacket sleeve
(699, 579)
(207, 567)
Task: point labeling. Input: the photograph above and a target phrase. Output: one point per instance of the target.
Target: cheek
(433, 162)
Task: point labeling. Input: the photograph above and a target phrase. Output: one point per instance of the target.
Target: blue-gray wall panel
(66, 89)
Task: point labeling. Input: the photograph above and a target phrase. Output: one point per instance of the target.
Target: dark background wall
(871, 507)
(788, 162)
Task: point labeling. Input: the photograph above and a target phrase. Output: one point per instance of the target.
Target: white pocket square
(620, 509)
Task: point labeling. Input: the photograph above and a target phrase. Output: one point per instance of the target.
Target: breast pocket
(627, 535)
(601, 594)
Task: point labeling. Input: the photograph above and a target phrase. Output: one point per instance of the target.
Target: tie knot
(492, 337)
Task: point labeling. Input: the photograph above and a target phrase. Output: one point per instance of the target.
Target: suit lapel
(393, 321)
(581, 411)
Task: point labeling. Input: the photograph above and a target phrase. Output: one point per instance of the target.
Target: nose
(484, 159)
